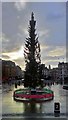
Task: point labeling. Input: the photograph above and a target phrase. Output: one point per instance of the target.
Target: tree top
(32, 16)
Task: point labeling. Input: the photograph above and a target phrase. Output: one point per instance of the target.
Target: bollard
(53, 83)
(48, 84)
(57, 109)
(57, 83)
(19, 83)
(15, 85)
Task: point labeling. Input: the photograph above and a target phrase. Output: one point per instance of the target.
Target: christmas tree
(32, 57)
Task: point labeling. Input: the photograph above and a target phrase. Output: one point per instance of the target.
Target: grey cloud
(20, 61)
(12, 44)
(53, 58)
(54, 63)
(5, 57)
(10, 27)
(54, 16)
(16, 37)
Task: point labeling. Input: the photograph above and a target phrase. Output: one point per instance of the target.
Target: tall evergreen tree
(32, 57)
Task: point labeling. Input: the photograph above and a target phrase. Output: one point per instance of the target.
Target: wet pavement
(11, 108)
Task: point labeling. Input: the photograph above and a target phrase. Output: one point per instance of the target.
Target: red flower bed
(34, 96)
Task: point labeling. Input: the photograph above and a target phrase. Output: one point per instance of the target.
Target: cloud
(5, 57)
(24, 30)
(53, 62)
(5, 42)
(15, 29)
(44, 47)
(53, 54)
(16, 54)
(44, 33)
(13, 44)
(20, 62)
(4, 38)
(54, 15)
(0, 43)
(20, 5)
(59, 51)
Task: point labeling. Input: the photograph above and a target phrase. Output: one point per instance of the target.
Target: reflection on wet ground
(10, 106)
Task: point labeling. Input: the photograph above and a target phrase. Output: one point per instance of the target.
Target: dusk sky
(50, 27)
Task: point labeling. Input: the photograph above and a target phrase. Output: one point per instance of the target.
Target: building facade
(63, 70)
(10, 70)
(60, 73)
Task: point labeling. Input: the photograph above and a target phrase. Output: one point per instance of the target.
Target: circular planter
(27, 95)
